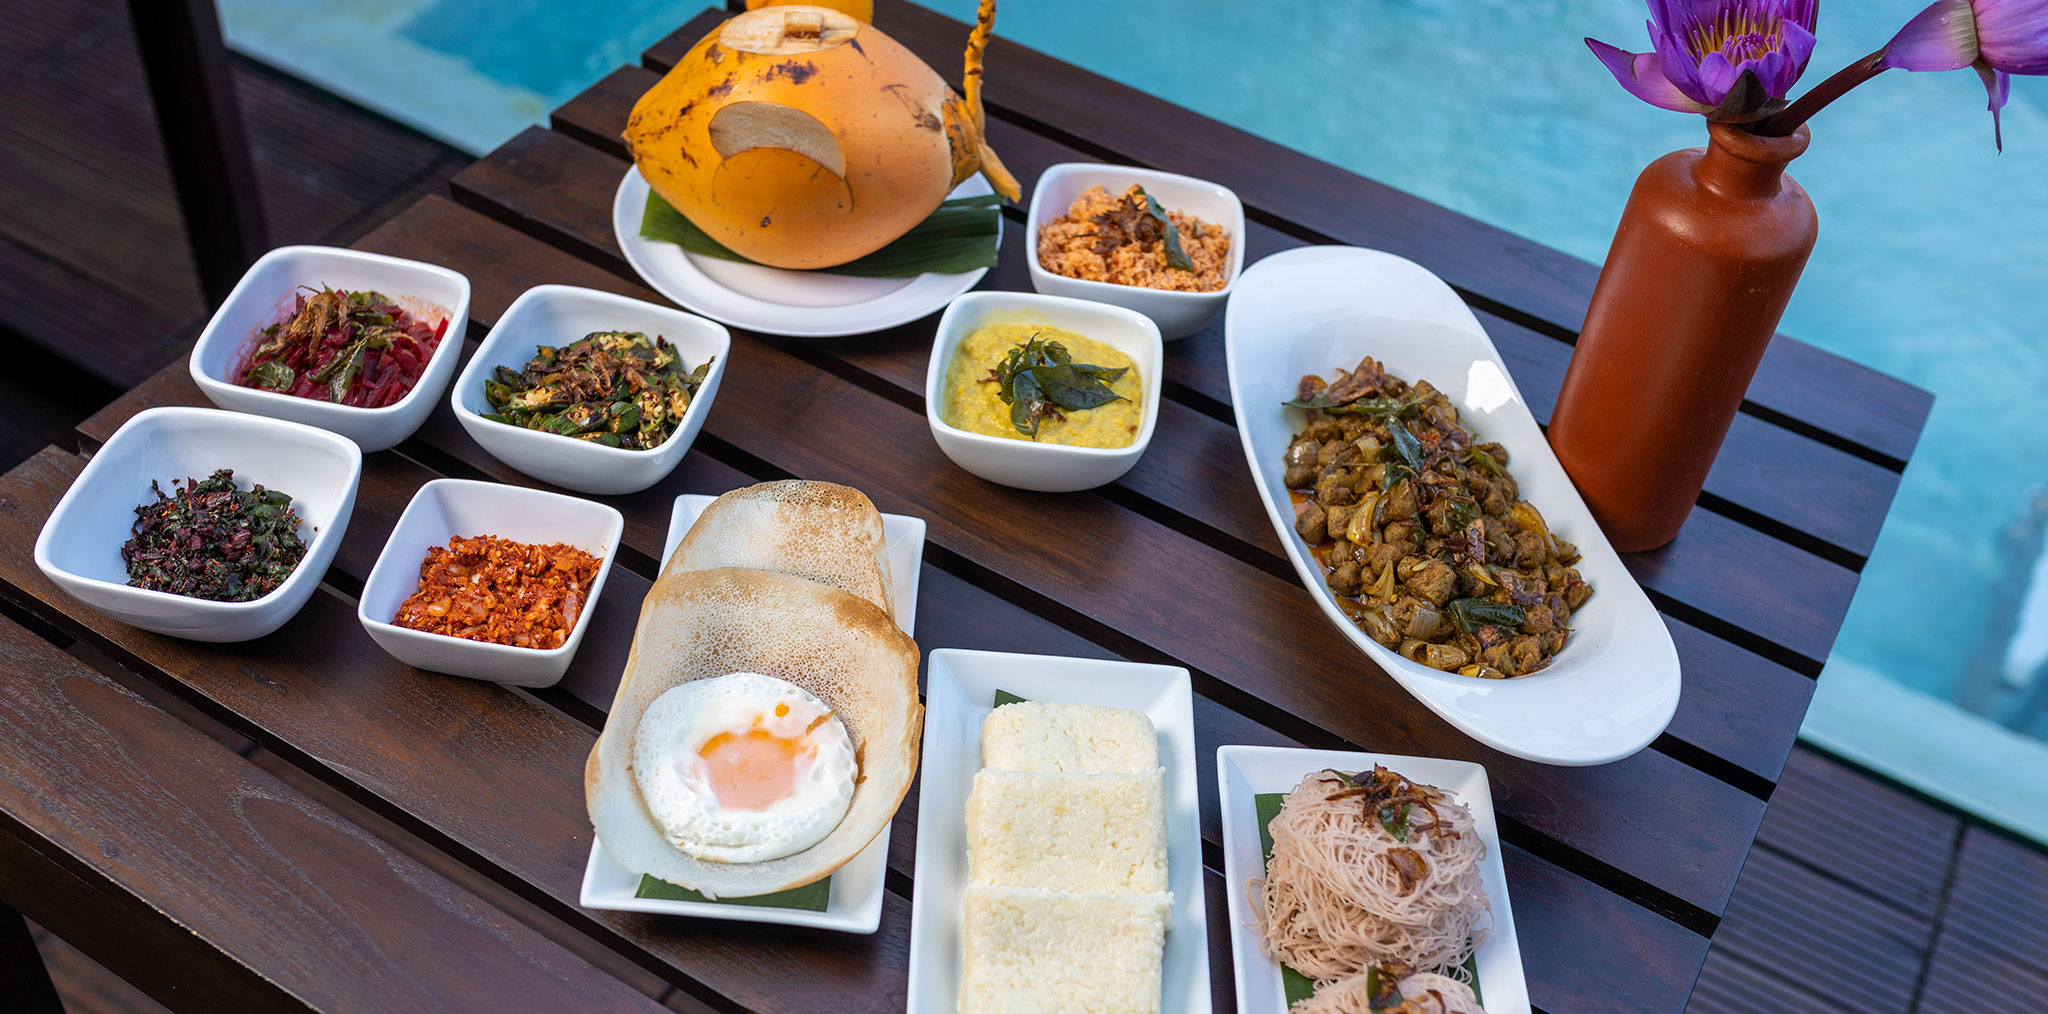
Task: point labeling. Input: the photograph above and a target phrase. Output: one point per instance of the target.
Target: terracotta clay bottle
(1709, 248)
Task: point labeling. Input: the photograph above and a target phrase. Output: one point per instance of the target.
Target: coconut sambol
(1420, 529)
(1131, 239)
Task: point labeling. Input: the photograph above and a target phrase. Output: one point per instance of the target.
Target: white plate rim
(1245, 771)
(697, 292)
(935, 908)
(1639, 666)
(849, 915)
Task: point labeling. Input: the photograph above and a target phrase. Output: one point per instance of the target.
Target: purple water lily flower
(1730, 59)
(1998, 38)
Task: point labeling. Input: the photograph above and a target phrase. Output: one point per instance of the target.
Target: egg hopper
(853, 894)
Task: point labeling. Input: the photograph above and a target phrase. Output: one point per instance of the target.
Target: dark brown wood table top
(185, 867)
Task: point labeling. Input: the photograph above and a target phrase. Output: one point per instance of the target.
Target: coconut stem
(970, 88)
(977, 44)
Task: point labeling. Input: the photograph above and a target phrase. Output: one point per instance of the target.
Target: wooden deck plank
(1863, 833)
(1836, 941)
(85, 986)
(1992, 950)
(1731, 985)
(295, 904)
(92, 245)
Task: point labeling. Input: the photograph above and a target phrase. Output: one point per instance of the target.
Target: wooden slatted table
(196, 874)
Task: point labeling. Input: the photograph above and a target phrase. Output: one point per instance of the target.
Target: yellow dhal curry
(974, 402)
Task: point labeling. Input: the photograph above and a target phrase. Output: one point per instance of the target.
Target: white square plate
(959, 689)
(855, 905)
(1244, 772)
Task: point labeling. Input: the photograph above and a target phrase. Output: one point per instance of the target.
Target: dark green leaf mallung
(211, 540)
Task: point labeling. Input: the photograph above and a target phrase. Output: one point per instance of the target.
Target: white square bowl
(265, 295)
(449, 507)
(1031, 464)
(855, 902)
(1614, 686)
(960, 687)
(1246, 772)
(557, 315)
(80, 544)
(1178, 314)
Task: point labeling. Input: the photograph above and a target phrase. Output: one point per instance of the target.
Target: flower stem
(1787, 120)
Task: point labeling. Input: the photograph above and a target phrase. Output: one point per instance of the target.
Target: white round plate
(794, 304)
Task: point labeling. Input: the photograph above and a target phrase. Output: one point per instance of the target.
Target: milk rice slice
(1077, 738)
(1068, 832)
(1054, 952)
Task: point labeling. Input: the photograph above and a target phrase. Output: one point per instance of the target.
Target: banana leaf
(960, 236)
(813, 897)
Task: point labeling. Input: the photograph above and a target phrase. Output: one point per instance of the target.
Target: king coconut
(800, 136)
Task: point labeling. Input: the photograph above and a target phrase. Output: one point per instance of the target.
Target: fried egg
(743, 768)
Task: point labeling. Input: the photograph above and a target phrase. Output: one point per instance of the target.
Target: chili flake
(485, 588)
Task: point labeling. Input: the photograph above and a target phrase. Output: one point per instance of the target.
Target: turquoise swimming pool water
(1932, 263)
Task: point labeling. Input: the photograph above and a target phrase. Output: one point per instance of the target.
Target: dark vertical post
(21, 968)
(187, 64)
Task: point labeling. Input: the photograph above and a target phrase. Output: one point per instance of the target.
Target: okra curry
(617, 388)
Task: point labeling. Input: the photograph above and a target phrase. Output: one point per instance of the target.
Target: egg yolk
(753, 769)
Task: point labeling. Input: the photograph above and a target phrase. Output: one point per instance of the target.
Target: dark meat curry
(1421, 532)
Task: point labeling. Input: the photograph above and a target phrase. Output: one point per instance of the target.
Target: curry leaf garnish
(1395, 820)
(1028, 404)
(1405, 444)
(1484, 460)
(1176, 256)
(1471, 614)
(271, 376)
(1460, 511)
(1040, 378)
(1380, 991)
(1377, 408)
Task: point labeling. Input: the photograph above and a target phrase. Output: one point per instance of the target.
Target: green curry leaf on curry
(1039, 378)
(1042, 383)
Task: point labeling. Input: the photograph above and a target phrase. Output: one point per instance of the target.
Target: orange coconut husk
(802, 137)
